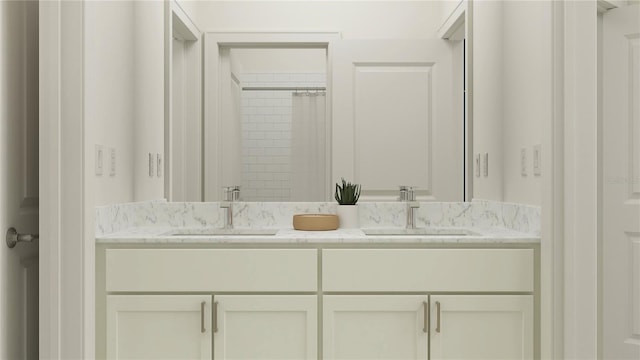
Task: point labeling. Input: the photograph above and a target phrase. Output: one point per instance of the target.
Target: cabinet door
(482, 327)
(265, 327)
(375, 327)
(158, 327)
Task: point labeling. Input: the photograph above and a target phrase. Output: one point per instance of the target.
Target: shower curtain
(308, 147)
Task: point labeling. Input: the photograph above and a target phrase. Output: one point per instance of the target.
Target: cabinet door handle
(203, 329)
(215, 317)
(425, 327)
(438, 316)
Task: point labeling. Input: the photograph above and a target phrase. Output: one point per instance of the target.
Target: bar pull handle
(203, 329)
(425, 327)
(438, 316)
(215, 317)
(13, 237)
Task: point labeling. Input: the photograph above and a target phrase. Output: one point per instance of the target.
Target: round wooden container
(315, 222)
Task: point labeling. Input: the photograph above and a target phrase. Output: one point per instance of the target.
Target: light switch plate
(151, 164)
(537, 165)
(99, 160)
(112, 162)
(523, 161)
(486, 164)
(477, 165)
(159, 165)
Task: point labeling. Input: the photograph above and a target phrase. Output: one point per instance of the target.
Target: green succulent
(348, 193)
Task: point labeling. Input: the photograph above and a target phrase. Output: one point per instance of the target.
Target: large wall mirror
(286, 115)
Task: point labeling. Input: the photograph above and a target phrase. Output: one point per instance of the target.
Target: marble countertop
(442, 235)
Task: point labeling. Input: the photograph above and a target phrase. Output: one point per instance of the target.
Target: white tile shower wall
(266, 134)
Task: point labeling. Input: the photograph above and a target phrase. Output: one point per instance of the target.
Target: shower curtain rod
(284, 88)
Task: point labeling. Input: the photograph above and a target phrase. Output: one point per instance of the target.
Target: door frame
(66, 306)
(569, 243)
(578, 178)
(213, 41)
(603, 7)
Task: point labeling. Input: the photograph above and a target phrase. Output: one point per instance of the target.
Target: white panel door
(393, 120)
(375, 327)
(482, 327)
(621, 184)
(266, 327)
(19, 178)
(159, 327)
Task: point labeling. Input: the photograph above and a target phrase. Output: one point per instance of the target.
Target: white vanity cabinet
(266, 327)
(456, 327)
(342, 302)
(241, 326)
(481, 327)
(375, 327)
(491, 326)
(159, 327)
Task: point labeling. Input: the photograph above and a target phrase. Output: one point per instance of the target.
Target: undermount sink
(420, 232)
(225, 232)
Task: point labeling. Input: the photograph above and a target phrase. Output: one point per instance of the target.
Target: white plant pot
(348, 215)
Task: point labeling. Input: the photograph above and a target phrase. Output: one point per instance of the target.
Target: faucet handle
(411, 194)
(231, 193)
(407, 193)
(403, 192)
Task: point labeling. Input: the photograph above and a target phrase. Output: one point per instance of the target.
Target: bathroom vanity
(179, 291)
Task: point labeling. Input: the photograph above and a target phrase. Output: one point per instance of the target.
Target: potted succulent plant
(347, 197)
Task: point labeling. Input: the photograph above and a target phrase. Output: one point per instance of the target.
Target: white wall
(280, 60)
(109, 94)
(527, 96)
(124, 95)
(512, 94)
(149, 111)
(487, 96)
(354, 19)
(447, 7)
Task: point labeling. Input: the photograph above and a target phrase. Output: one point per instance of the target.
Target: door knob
(13, 237)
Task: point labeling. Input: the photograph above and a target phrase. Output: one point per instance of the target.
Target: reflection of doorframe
(214, 41)
(457, 27)
(179, 26)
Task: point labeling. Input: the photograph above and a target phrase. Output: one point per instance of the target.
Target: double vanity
(172, 282)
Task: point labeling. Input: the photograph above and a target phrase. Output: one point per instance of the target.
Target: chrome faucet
(231, 195)
(408, 195)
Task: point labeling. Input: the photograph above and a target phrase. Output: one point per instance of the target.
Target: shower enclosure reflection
(278, 109)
